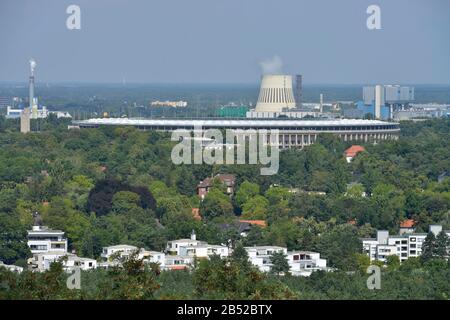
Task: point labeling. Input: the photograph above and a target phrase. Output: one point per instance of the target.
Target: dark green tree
(428, 247)
(280, 263)
(442, 244)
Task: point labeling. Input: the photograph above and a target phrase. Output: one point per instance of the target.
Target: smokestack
(31, 97)
(321, 102)
(379, 101)
(299, 91)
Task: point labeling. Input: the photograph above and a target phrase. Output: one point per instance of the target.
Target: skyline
(226, 42)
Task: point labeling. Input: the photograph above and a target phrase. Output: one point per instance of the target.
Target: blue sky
(225, 41)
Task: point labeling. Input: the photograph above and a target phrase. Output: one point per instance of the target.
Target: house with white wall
(41, 239)
(259, 256)
(122, 250)
(193, 247)
(303, 263)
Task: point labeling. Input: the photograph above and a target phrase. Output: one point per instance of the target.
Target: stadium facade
(291, 133)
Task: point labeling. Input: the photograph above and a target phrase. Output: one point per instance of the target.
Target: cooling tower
(275, 94)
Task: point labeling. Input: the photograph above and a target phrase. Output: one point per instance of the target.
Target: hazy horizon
(226, 42)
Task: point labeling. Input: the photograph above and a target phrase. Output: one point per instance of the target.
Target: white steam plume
(272, 66)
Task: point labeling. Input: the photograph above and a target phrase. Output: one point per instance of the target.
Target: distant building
(41, 239)
(172, 104)
(6, 101)
(227, 179)
(405, 245)
(232, 112)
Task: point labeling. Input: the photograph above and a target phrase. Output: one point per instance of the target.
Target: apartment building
(405, 245)
(41, 239)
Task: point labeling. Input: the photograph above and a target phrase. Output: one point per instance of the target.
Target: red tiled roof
(354, 150)
(353, 222)
(409, 223)
(261, 223)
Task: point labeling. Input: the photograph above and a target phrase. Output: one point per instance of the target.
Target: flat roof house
(42, 239)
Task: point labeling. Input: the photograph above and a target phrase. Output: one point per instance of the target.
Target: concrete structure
(31, 86)
(405, 245)
(275, 94)
(321, 103)
(379, 101)
(299, 91)
(292, 133)
(25, 120)
(41, 239)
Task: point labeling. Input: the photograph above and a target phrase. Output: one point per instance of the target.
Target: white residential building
(122, 249)
(260, 256)
(193, 247)
(301, 263)
(42, 261)
(405, 245)
(41, 240)
(152, 257)
(84, 264)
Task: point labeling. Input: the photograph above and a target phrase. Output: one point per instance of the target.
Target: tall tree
(279, 263)
(442, 244)
(428, 247)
